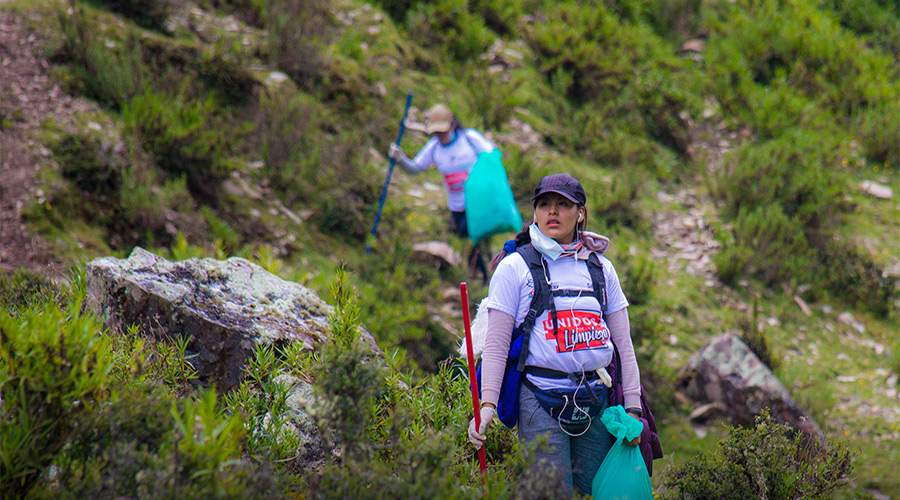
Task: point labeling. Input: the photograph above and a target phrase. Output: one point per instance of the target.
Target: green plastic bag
(490, 206)
(623, 474)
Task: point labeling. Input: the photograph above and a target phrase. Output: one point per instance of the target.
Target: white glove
(605, 379)
(394, 151)
(477, 436)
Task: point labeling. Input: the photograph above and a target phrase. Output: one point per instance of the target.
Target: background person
(453, 150)
(572, 456)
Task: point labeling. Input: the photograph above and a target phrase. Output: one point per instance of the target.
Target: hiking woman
(453, 150)
(562, 394)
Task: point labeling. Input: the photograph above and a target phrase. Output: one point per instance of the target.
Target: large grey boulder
(727, 372)
(225, 307)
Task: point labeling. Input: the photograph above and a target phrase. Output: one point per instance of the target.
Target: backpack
(508, 402)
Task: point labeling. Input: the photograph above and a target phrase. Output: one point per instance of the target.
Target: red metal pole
(473, 384)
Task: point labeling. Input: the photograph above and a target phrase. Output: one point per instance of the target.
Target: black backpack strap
(539, 303)
(542, 372)
(598, 279)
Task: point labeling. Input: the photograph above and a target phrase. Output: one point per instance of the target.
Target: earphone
(580, 217)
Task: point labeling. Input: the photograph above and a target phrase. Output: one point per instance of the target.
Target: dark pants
(476, 261)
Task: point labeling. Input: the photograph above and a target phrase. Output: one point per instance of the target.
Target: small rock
(848, 319)
(438, 253)
(696, 45)
(802, 304)
(706, 412)
(877, 190)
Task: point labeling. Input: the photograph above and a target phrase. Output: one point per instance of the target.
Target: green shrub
(351, 378)
(185, 138)
(398, 9)
(675, 20)
(876, 20)
(797, 173)
(220, 229)
(299, 32)
(592, 52)
(83, 161)
(524, 171)
(877, 129)
(150, 14)
(225, 70)
(449, 24)
(768, 245)
(287, 130)
(756, 339)
(24, 289)
(108, 70)
(347, 189)
(855, 278)
(803, 47)
(617, 204)
(147, 444)
(492, 98)
(638, 277)
(54, 367)
(762, 462)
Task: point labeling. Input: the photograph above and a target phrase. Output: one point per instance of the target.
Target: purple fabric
(651, 448)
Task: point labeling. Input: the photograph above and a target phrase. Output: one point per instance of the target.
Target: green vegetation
(763, 461)
(258, 129)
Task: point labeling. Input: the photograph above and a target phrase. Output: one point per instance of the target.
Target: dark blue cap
(563, 184)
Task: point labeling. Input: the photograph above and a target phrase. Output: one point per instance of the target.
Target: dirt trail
(28, 96)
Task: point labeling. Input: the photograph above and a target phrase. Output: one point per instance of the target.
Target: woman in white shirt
(453, 150)
(565, 350)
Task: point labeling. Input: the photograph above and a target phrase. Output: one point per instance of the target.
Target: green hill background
(723, 144)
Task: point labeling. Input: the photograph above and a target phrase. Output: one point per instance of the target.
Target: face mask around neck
(543, 243)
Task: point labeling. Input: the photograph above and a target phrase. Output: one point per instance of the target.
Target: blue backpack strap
(539, 303)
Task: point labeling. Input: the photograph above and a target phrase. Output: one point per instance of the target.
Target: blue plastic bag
(623, 474)
(490, 206)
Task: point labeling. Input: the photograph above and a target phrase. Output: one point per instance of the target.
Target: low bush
(299, 32)
(492, 97)
(89, 164)
(855, 278)
(767, 244)
(756, 339)
(147, 444)
(877, 129)
(617, 205)
(185, 137)
(762, 461)
(638, 276)
(288, 132)
(54, 368)
(150, 14)
(805, 49)
(24, 289)
(591, 52)
(109, 70)
(799, 173)
(449, 24)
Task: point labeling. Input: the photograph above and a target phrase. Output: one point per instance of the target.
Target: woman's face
(556, 217)
(445, 137)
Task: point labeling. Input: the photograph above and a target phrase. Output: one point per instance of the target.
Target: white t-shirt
(454, 161)
(582, 340)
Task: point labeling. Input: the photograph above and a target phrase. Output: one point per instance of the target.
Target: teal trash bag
(490, 206)
(623, 474)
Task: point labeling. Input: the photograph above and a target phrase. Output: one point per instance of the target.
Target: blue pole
(387, 180)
